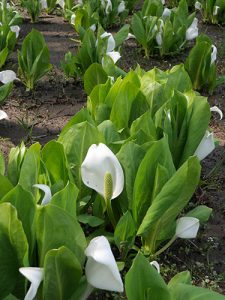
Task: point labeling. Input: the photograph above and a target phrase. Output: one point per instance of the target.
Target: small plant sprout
(102, 172)
(101, 269)
(206, 146)
(47, 193)
(192, 31)
(35, 276)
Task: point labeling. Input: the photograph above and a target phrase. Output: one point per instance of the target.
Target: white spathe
(93, 27)
(130, 36)
(121, 7)
(166, 13)
(44, 4)
(198, 5)
(187, 227)
(159, 38)
(206, 146)
(155, 264)
(101, 269)
(35, 276)
(217, 110)
(73, 19)
(107, 5)
(61, 3)
(3, 115)
(215, 10)
(111, 44)
(159, 33)
(192, 31)
(213, 54)
(15, 29)
(115, 55)
(48, 194)
(7, 76)
(99, 161)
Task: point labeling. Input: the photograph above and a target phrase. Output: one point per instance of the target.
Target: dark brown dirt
(40, 117)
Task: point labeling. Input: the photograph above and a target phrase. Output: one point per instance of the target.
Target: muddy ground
(40, 116)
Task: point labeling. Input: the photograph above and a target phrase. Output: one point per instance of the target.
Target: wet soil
(40, 116)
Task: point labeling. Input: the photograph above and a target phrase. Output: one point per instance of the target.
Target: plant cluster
(130, 178)
(9, 30)
(164, 30)
(122, 170)
(105, 12)
(212, 11)
(96, 47)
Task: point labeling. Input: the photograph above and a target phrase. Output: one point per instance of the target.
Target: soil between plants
(40, 116)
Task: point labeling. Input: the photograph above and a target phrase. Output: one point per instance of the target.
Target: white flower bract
(99, 161)
(101, 269)
(7, 76)
(121, 7)
(192, 31)
(35, 276)
(213, 54)
(187, 227)
(46, 189)
(3, 115)
(206, 146)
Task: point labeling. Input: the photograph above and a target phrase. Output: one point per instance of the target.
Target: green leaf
(2, 164)
(5, 186)
(62, 274)
(121, 35)
(139, 30)
(201, 212)
(130, 156)
(3, 56)
(125, 232)
(55, 228)
(189, 292)
(172, 198)
(54, 158)
(122, 106)
(16, 157)
(90, 220)
(30, 168)
(33, 59)
(198, 119)
(76, 142)
(142, 281)
(93, 76)
(25, 205)
(5, 91)
(158, 153)
(182, 277)
(67, 199)
(198, 63)
(13, 248)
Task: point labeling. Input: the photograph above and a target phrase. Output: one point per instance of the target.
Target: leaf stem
(110, 213)
(167, 245)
